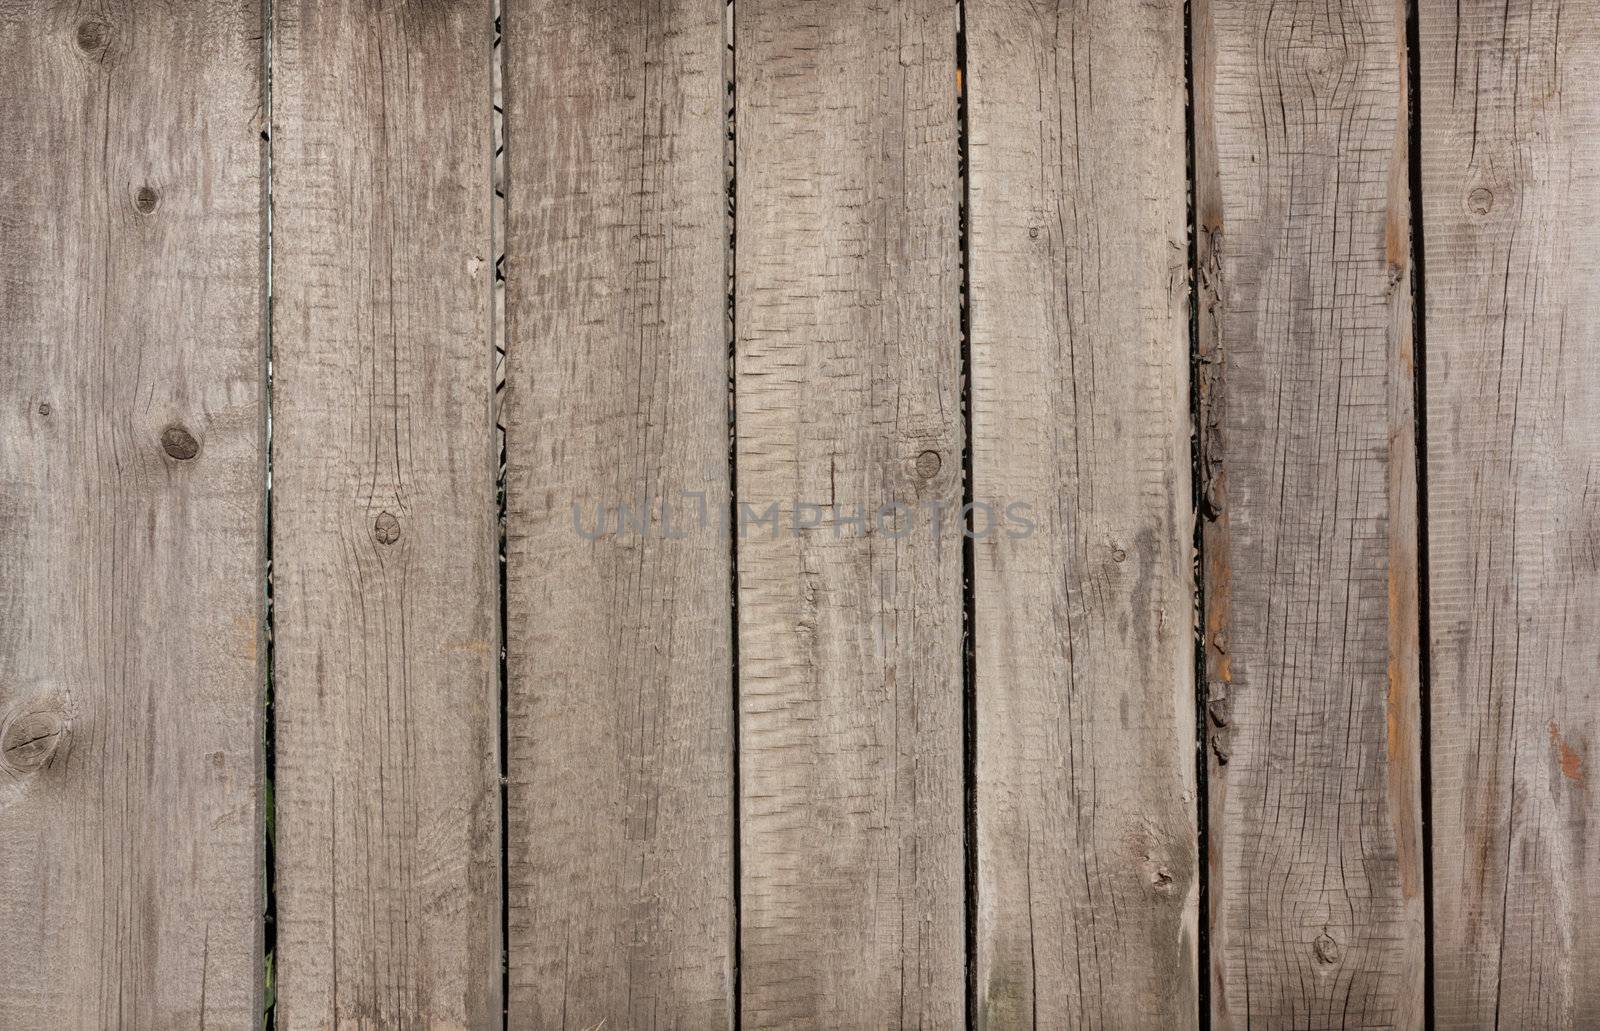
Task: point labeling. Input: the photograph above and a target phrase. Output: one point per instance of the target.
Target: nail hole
(179, 443)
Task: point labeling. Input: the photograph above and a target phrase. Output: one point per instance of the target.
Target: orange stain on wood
(248, 630)
(1567, 758)
(1401, 711)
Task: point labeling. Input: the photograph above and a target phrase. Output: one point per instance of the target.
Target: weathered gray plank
(1087, 859)
(1310, 540)
(1511, 183)
(131, 478)
(620, 709)
(383, 517)
(848, 394)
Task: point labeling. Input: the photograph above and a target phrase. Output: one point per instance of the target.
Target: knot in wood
(145, 200)
(179, 443)
(928, 464)
(1480, 201)
(29, 741)
(386, 528)
(93, 37)
(1326, 949)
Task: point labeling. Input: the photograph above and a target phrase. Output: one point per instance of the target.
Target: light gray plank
(383, 517)
(621, 699)
(848, 394)
(131, 479)
(1511, 183)
(1088, 882)
(1310, 542)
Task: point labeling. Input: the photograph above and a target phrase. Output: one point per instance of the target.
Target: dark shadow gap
(731, 172)
(1419, 327)
(969, 679)
(498, 380)
(269, 729)
(1197, 484)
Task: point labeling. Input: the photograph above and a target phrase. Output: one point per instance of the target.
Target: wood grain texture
(130, 604)
(1087, 862)
(621, 699)
(1310, 541)
(848, 397)
(383, 517)
(1511, 183)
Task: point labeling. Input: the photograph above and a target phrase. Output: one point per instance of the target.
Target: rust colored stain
(1219, 599)
(1401, 712)
(1567, 758)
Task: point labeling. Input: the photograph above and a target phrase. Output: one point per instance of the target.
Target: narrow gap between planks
(497, 331)
(731, 191)
(1419, 401)
(269, 729)
(969, 694)
(1197, 475)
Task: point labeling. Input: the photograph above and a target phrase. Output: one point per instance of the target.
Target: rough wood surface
(1307, 444)
(131, 469)
(1087, 864)
(848, 395)
(1511, 184)
(621, 698)
(383, 517)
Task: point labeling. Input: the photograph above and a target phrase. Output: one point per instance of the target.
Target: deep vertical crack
(269, 730)
(731, 171)
(1197, 481)
(969, 715)
(1419, 326)
(497, 334)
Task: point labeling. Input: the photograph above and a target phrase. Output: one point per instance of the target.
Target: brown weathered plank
(1087, 860)
(619, 649)
(131, 478)
(848, 394)
(1511, 153)
(1310, 534)
(383, 517)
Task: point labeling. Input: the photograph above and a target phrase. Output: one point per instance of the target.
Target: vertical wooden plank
(1087, 861)
(848, 398)
(131, 481)
(1310, 540)
(383, 508)
(620, 707)
(1511, 181)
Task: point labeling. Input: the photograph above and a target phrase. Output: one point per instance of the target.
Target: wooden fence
(1181, 606)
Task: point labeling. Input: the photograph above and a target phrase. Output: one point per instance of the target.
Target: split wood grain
(848, 293)
(1510, 185)
(131, 530)
(385, 582)
(1316, 890)
(1088, 883)
(620, 711)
